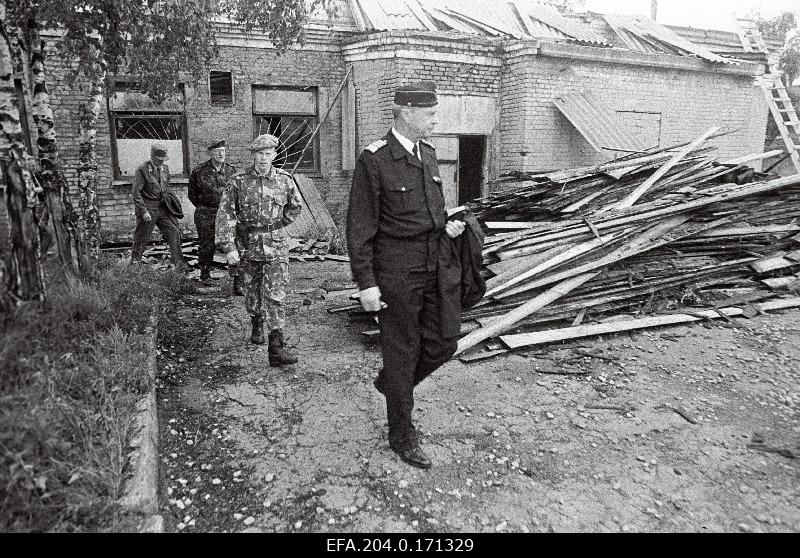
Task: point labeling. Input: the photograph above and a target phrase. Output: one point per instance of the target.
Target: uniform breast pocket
(402, 199)
(248, 210)
(278, 203)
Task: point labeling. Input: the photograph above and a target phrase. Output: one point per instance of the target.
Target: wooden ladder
(778, 101)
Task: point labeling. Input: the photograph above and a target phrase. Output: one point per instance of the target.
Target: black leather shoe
(413, 455)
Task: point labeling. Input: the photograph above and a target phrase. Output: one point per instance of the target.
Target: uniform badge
(437, 179)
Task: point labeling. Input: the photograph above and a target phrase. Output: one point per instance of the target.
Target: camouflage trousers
(204, 220)
(265, 290)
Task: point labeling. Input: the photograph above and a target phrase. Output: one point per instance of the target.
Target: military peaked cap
(213, 144)
(264, 141)
(418, 94)
(158, 149)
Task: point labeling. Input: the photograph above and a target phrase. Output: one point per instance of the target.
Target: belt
(214, 207)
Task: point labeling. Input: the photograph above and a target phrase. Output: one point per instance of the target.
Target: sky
(705, 14)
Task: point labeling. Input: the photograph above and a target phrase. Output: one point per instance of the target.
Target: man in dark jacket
(403, 260)
(150, 183)
(206, 184)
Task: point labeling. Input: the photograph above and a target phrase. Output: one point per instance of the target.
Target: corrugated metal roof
(645, 35)
(519, 18)
(597, 123)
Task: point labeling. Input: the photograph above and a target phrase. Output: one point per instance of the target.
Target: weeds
(71, 372)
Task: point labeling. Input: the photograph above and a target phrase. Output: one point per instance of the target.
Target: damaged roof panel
(645, 35)
(519, 19)
(596, 122)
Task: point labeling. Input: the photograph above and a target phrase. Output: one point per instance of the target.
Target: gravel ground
(683, 429)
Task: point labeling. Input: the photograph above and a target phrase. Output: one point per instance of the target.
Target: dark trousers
(167, 224)
(412, 344)
(205, 221)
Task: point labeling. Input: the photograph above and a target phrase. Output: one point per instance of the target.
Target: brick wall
(684, 102)
(250, 66)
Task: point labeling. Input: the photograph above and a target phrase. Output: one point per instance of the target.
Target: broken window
(137, 122)
(291, 116)
(221, 87)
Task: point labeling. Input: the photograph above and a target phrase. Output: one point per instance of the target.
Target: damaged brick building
(521, 87)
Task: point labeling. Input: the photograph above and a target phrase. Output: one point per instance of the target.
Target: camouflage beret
(264, 141)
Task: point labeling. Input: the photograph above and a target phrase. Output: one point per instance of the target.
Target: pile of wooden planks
(649, 239)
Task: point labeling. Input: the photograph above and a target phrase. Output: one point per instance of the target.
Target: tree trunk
(27, 279)
(87, 166)
(52, 175)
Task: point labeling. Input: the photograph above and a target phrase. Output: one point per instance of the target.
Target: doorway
(470, 167)
(461, 166)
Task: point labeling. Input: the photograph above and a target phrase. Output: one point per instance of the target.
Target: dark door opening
(471, 150)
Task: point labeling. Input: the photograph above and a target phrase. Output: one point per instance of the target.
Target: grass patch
(71, 372)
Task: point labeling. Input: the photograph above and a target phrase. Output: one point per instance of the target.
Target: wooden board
(541, 337)
(314, 201)
(771, 263)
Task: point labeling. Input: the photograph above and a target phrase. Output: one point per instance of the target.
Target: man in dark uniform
(150, 183)
(206, 184)
(403, 260)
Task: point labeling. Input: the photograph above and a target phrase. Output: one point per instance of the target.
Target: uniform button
(402, 189)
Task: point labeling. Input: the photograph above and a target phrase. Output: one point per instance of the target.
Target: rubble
(665, 236)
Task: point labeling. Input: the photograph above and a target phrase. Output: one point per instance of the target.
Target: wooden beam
(538, 338)
(633, 197)
(502, 323)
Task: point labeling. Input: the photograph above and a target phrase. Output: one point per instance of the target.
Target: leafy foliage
(161, 43)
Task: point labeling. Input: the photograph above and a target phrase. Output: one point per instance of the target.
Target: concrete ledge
(518, 49)
(140, 490)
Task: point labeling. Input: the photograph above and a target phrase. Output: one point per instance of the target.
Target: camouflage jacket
(257, 209)
(206, 184)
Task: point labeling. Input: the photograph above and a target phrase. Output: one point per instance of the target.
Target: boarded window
(137, 122)
(291, 116)
(221, 86)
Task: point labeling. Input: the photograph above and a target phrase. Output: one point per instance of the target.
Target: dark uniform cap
(158, 149)
(418, 94)
(216, 143)
(264, 141)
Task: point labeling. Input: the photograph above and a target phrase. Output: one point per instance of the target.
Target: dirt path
(515, 447)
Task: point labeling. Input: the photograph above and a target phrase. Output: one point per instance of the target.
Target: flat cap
(264, 141)
(158, 149)
(418, 94)
(213, 144)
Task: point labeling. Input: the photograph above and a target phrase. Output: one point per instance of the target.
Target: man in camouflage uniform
(257, 205)
(206, 184)
(150, 183)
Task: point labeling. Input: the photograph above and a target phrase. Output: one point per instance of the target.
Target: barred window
(291, 116)
(137, 122)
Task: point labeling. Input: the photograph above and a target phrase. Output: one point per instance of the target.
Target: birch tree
(22, 274)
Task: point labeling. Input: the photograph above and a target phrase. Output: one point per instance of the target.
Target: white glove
(454, 228)
(233, 257)
(371, 299)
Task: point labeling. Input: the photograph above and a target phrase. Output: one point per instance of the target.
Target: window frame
(211, 95)
(124, 86)
(315, 147)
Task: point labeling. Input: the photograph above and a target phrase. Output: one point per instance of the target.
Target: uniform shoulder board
(375, 145)
(429, 144)
(281, 171)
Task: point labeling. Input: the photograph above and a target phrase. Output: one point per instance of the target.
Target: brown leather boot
(257, 336)
(205, 275)
(278, 355)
